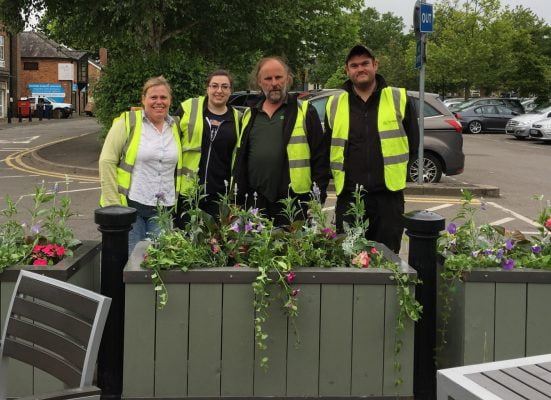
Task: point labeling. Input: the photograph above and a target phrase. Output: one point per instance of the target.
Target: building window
(2, 62)
(30, 66)
(3, 99)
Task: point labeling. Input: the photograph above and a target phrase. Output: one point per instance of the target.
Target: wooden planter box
(82, 269)
(499, 315)
(202, 343)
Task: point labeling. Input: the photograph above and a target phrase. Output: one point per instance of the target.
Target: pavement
(80, 155)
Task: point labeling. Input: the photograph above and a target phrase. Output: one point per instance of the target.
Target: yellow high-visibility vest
(191, 125)
(298, 150)
(394, 141)
(133, 121)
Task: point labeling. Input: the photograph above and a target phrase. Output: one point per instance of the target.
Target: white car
(520, 125)
(59, 110)
(541, 130)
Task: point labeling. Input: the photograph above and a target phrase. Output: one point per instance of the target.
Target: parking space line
(514, 214)
(502, 221)
(441, 206)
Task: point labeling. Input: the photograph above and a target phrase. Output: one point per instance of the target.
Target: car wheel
(520, 137)
(432, 169)
(474, 127)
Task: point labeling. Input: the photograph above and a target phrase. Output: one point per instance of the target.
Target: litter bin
(24, 108)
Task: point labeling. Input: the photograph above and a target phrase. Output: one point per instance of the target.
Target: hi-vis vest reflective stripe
(133, 122)
(298, 150)
(394, 141)
(192, 138)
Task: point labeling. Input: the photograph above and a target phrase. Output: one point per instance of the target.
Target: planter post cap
(424, 221)
(115, 216)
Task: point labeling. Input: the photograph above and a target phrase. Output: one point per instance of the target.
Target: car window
(319, 105)
(428, 110)
(238, 100)
(504, 110)
(489, 109)
(478, 110)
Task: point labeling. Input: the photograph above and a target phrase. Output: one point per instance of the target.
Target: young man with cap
(374, 133)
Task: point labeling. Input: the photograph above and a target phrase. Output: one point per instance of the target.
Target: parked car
(541, 130)
(510, 103)
(454, 101)
(244, 98)
(59, 110)
(519, 126)
(477, 119)
(443, 142)
(529, 104)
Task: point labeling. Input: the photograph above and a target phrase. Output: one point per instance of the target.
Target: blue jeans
(145, 225)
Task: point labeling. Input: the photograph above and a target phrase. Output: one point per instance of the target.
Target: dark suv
(245, 98)
(510, 103)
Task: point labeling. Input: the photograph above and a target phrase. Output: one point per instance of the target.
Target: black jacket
(319, 150)
(363, 157)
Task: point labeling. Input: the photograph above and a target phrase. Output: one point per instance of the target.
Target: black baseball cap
(359, 50)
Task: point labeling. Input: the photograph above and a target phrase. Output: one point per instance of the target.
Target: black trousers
(208, 204)
(274, 209)
(384, 210)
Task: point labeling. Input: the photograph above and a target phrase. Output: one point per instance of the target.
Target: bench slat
(528, 379)
(494, 387)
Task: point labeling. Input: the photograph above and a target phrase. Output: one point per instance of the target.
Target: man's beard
(276, 96)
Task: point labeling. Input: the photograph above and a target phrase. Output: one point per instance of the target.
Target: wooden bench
(526, 378)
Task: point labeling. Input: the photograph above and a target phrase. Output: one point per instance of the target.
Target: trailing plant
(465, 245)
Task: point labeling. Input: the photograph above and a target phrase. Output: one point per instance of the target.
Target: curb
(437, 189)
(64, 168)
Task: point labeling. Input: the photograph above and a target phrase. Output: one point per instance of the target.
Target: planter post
(114, 223)
(423, 229)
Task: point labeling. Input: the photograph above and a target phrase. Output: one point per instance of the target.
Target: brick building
(50, 69)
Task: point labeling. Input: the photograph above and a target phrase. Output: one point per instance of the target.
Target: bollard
(114, 223)
(30, 115)
(9, 114)
(19, 114)
(423, 229)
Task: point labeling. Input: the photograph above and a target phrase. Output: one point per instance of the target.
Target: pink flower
(48, 250)
(40, 261)
(548, 223)
(290, 277)
(374, 251)
(216, 249)
(59, 251)
(37, 249)
(329, 233)
(362, 260)
(295, 292)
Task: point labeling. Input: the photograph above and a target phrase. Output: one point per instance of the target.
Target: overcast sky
(404, 8)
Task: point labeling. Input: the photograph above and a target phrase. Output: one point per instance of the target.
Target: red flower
(40, 261)
(548, 223)
(37, 249)
(48, 250)
(60, 251)
(290, 277)
(362, 260)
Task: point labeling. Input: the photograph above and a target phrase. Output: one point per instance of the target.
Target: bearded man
(282, 150)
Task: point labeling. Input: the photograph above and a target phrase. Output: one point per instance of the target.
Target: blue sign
(74, 87)
(426, 18)
(53, 91)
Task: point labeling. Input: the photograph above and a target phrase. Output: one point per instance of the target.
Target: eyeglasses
(215, 86)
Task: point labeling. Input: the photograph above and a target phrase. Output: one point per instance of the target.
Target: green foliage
(46, 224)
(121, 85)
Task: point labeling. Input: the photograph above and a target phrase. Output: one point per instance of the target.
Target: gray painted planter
(499, 315)
(83, 270)
(202, 343)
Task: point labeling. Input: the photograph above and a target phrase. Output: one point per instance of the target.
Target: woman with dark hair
(210, 130)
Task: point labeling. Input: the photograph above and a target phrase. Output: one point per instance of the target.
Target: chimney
(103, 56)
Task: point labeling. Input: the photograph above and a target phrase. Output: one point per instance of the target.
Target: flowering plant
(43, 237)
(468, 245)
(245, 238)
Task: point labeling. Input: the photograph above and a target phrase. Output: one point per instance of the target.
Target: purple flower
(475, 253)
(452, 229)
(259, 227)
(254, 211)
(329, 233)
(508, 244)
(248, 226)
(36, 229)
(235, 227)
(536, 249)
(56, 188)
(499, 253)
(508, 264)
(290, 277)
(488, 252)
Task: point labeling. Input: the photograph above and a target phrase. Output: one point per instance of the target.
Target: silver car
(443, 141)
(541, 130)
(519, 126)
